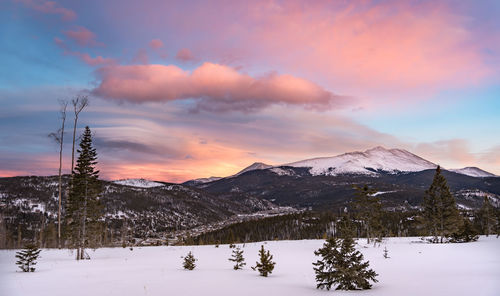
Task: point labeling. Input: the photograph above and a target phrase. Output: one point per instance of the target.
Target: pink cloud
(184, 55)
(156, 44)
(455, 152)
(85, 57)
(362, 46)
(82, 36)
(94, 61)
(215, 87)
(50, 7)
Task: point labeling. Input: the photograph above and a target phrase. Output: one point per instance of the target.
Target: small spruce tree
(386, 253)
(341, 265)
(27, 258)
(266, 265)
(237, 258)
(189, 261)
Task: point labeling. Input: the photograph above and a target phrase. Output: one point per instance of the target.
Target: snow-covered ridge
(205, 180)
(370, 162)
(473, 172)
(367, 162)
(253, 167)
(142, 183)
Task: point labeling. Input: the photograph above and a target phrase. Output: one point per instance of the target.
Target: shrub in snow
(266, 265)
(189, 261)
(27, 258)
(466, 233)
(341, 265)
(237, 258)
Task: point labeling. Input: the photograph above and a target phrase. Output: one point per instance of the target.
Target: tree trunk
(84, 224)
(73, 149)
(61, 141)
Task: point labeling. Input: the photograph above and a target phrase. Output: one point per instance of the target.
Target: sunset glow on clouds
(191, 89)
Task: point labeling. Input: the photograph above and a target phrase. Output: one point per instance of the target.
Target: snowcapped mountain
(371, 162)
(473, 172)
(142, 183)
(254, 166)
(368, 162)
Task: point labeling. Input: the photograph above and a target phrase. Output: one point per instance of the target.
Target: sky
(188, 89)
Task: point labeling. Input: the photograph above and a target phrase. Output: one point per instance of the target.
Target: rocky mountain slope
(146, 209)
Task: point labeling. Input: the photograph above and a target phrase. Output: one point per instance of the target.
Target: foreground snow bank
(413, 269)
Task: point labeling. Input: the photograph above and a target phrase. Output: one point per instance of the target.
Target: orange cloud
(215, 87)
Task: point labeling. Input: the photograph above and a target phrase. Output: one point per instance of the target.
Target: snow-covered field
(413, 269)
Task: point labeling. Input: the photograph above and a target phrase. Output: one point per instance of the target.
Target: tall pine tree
(83, 207)
(440, 213)
(369, 210)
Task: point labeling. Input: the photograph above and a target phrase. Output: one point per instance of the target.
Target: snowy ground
(413, 269)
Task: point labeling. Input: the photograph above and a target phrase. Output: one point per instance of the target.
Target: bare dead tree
(59, 139)
(79, 103)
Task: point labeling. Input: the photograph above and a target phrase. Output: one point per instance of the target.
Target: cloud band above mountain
(215, 87)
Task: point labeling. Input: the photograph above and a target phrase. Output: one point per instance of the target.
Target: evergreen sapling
(266, 265)
(27, 258)
(237, 258)
(386, 253)
(341, 266)
(189, 261)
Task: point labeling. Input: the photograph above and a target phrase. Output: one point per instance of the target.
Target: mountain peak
(473, 172)
(376, 149)
(367, 162)
(254, 166)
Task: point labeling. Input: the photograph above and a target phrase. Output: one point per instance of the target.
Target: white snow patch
(282, 172)
(383, 192)
(142, 183)
(463, 207)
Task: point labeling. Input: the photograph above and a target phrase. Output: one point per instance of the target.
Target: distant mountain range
(153, 209)
(370, 162)
(399, 176)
